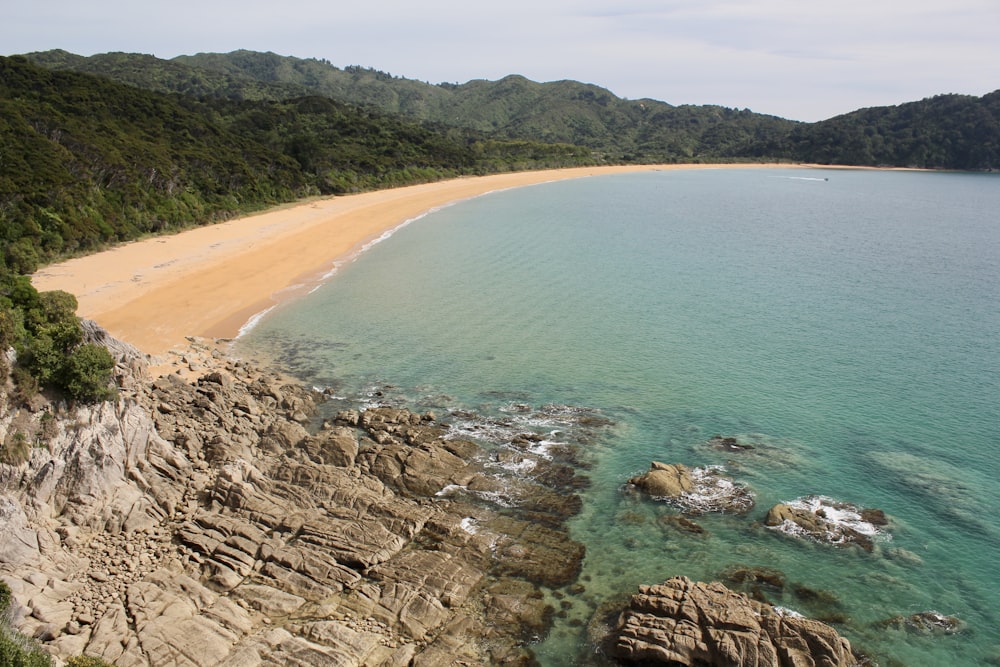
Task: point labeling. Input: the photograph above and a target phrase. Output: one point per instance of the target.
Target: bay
(843, 323)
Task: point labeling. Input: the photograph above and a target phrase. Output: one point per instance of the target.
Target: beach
(211, 281)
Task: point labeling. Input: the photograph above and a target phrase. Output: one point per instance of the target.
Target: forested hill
(943, 132)
(514, 107)
(86, 161)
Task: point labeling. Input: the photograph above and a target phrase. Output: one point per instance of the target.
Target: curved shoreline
(213, 281)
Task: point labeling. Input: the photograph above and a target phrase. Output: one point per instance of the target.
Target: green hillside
(944, 132)
(87, 161)
(511, 108)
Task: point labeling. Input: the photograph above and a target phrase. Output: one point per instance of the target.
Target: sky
(799, 59)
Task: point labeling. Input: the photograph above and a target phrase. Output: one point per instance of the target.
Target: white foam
(839, 519)
(254, 321)
(714, 492)
(523, 466)
(837, 513)
(786, 612)
(494, 497)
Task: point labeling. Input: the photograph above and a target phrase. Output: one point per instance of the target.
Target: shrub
(15, 451)
(87, 661)
(86, 373)
(16, 650)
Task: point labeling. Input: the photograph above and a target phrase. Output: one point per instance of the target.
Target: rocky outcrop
(694, 490)
(686, 623)
(203, 519)
(826, 520)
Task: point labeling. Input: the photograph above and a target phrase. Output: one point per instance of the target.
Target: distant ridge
(941, 132)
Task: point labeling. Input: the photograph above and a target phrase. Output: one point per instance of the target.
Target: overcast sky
(799, 59)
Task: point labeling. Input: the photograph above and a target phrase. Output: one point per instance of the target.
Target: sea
(843, 326)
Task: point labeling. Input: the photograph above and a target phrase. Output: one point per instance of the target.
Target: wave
(254, 321)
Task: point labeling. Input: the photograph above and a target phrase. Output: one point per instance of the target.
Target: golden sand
(210, 281)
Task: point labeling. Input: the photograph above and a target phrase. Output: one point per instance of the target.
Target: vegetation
(16, 650)
(87, 162)
(99, 150)
(46, 333)
(944, 132)
(86, 661)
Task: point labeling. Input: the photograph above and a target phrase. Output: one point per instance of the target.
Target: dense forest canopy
(943, 132)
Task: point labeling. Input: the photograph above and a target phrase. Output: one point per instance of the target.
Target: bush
(14, 451)
(45, 331)
(5, 598)
(16, 650)
(86, 373)
(87, 661)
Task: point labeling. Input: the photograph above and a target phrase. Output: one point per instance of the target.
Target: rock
(695, 490)
(826, 520)
(664, 480)
(689, 624)
(201, 522)
(728, 444)
(925, 623)
(337, 446)
(742, 575)
(681, 523)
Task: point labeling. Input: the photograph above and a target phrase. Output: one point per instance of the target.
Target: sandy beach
(210, 281)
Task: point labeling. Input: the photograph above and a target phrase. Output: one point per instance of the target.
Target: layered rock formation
(208, 518)
(208, 522)
(685, 623)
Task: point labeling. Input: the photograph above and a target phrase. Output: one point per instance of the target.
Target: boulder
(682, 623)
(664, 480)
(199, 521)
(694, 490)
(825, 520)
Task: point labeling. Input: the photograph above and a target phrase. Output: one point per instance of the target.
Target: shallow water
(843, 323)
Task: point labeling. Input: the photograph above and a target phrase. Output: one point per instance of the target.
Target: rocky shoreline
(209, 517)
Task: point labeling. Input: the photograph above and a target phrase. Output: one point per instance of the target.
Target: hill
(511, 108)
(88, 161)
(942, 132)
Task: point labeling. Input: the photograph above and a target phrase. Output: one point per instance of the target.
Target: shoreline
(217, 281)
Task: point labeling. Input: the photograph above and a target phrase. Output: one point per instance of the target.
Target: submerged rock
(694, 490)
(925, 623)
(729, 444)
(693, 624)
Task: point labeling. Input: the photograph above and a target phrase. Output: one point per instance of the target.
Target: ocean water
(844, 324)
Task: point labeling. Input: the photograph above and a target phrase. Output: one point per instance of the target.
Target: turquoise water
(844, 323)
